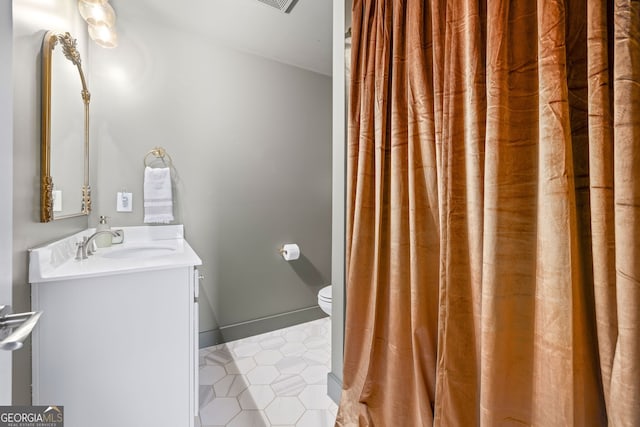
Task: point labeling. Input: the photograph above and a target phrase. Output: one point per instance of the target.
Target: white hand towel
(158, 200)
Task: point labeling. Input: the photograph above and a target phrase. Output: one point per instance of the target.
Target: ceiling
(301, 38)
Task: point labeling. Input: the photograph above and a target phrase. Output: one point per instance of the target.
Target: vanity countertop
(144, 248)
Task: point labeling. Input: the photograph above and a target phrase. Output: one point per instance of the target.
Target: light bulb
(97, 13)
(103, 36)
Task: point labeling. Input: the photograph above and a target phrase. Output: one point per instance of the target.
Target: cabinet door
(117, 350)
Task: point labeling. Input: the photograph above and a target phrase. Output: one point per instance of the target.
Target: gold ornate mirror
(64, 156)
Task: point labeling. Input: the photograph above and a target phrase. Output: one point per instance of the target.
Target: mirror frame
(70, 51)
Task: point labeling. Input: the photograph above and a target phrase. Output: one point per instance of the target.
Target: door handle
(15, 328)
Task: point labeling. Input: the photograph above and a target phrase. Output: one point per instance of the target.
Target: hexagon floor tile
(219, 411)
(278, 378)
(285, 410)
(256, 397)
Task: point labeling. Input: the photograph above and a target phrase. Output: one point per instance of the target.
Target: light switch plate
(124, 202)
(57, 200)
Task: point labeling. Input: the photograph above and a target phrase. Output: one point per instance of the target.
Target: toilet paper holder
(289, 251)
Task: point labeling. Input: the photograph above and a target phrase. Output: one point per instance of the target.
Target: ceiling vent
(282, 5)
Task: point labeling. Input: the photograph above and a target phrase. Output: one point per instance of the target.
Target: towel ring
(158, 153)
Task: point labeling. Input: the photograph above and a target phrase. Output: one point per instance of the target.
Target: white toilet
(324, 299)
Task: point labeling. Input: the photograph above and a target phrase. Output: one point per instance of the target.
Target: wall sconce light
(103, 36)
(101, 20)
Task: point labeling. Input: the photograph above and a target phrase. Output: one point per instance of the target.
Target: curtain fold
(625, 373)
(493, 214)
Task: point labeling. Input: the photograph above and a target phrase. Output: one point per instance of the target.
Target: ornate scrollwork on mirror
(64, 155)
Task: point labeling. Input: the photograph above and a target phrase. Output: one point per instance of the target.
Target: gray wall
(30, 23)
(250, 141)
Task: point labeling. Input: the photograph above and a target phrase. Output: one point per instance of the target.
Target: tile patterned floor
(274, 379)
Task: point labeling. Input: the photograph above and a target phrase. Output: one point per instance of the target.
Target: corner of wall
(338, 197)
(6, 182)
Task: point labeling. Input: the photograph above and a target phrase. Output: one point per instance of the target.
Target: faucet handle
(79, 246)
(118, 238)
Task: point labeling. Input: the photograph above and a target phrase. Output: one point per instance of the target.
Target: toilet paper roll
(290, 252)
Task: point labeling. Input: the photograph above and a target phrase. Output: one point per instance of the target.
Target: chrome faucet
(85, 248)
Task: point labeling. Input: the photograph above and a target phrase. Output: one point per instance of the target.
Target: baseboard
(259, 326)
(209, 338)
(334, 387)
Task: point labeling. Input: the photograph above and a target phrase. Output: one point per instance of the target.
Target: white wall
(6, 181)
(341, 21)
(250, 140)
(30, 22)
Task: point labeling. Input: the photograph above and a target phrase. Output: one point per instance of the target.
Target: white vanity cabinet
(119, 348)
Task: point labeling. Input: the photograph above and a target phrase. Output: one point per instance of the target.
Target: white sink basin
(138, 252)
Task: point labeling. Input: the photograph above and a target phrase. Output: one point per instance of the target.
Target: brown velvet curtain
(493, 224)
